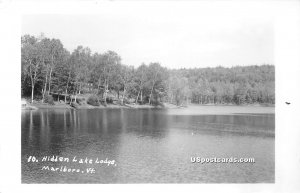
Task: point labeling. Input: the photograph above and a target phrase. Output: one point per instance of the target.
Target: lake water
(149, 145)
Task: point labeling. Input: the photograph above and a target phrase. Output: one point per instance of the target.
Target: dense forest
(47, 67)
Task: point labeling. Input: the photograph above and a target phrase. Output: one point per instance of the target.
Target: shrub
(157, 103)
(37, 97)
(49, 99)
(78, 100)
(109, 100)
(103, 103)
(81, 101)
(126, 101)
(73, 104)
(93, 100)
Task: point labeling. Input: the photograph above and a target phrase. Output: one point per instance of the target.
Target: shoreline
(37, 106)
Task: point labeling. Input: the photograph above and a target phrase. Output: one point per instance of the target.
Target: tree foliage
(47, 67)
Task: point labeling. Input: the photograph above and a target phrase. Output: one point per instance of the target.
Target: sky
(175, 35)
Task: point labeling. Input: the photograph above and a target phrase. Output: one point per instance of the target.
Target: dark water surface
(148, 146)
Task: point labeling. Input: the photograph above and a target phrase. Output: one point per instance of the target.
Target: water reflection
(149, 145)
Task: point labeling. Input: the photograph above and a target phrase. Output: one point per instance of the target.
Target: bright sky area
(177, 35)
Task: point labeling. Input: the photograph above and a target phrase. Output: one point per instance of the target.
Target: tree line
(47, 67)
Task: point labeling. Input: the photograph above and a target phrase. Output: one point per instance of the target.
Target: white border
(287, 60)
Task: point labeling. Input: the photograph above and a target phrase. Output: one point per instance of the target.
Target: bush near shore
(93, 100)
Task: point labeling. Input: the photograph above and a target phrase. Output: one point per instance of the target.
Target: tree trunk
(32, 82)
(98, 86)
(75, 92)
(32, 92)
(123, 95)
(105, 91)
(50, 74)
(104, 96)
(45, 86)
(50, 81)
(137, 97)
(80, 88)
(67, 87)
(44, 91)
(151, 92)
(152, 88)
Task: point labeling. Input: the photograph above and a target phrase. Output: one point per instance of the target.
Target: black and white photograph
(167, 92)
(116, 98)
